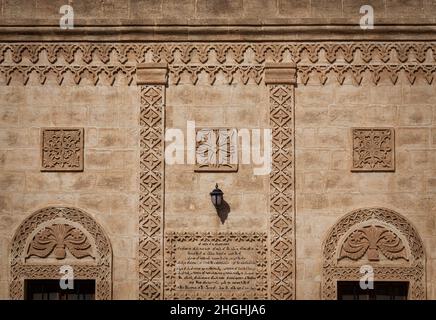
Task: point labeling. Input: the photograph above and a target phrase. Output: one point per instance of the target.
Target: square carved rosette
(216, 150)
(373, 149)
(62, 149)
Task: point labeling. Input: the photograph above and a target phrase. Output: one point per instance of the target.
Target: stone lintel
(280, 73)
(152, 73)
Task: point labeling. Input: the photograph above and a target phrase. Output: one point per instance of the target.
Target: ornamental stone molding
(281, 83)
(151, 80)
(62, 63)
(378, 237)
(57, 236)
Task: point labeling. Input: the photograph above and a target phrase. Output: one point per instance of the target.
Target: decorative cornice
(250, 30)
(75, 74)
(219, 53)
(340, 61)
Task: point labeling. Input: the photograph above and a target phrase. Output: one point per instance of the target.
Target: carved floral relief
(57, 239)
(62, 149)
(216, 150)
(373, 241)
(373, 149)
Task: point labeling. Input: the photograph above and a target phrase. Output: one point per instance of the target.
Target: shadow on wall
(223, 211)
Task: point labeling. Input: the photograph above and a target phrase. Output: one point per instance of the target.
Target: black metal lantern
(216, 196)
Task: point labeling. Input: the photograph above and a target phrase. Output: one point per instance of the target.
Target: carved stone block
(280, 73)
(152, 74)
(216, 150)
(62, 149)
(373, 149)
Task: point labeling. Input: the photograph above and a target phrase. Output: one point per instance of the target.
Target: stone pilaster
(151, 79)
(281, 81)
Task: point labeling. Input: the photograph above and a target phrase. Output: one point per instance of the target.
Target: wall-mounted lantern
(216, 196)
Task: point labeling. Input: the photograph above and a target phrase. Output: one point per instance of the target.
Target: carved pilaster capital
(280, 73)
(152, 73)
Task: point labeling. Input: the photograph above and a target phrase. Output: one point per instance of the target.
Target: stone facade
(352, 115)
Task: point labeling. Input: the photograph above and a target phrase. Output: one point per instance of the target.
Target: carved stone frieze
(245, 61)
(231, 73)
(221, 53)
(66, 75)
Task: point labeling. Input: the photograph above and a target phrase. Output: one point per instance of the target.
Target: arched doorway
(55, 237)
(379, 238)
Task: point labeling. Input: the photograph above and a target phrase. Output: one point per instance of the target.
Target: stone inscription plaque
(230, 265)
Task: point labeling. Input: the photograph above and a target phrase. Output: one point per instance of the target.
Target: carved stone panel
(62, 149)
(373, 240)
(216, 150)
(223, 265)
(373, 149)
(373, 233)
(56, 236)
(58, 239)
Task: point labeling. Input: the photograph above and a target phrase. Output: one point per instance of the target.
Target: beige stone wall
(187, 202)
(327, 190)
(231, 10)
(108, 187)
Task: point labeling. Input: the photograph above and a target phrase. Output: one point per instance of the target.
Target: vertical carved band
(280, 79)
(152, 79)
(151, 192)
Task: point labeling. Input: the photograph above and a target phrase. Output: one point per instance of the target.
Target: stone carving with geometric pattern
(51, 229)
(353, 60)
(62, 149)
(373, 240)
(323, 52)
(216, 150)
(151, 192)
(405, 257)
(282, 247)
(373, 149)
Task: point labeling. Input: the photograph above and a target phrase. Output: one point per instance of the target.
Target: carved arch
(55, 236)
(403, 261)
